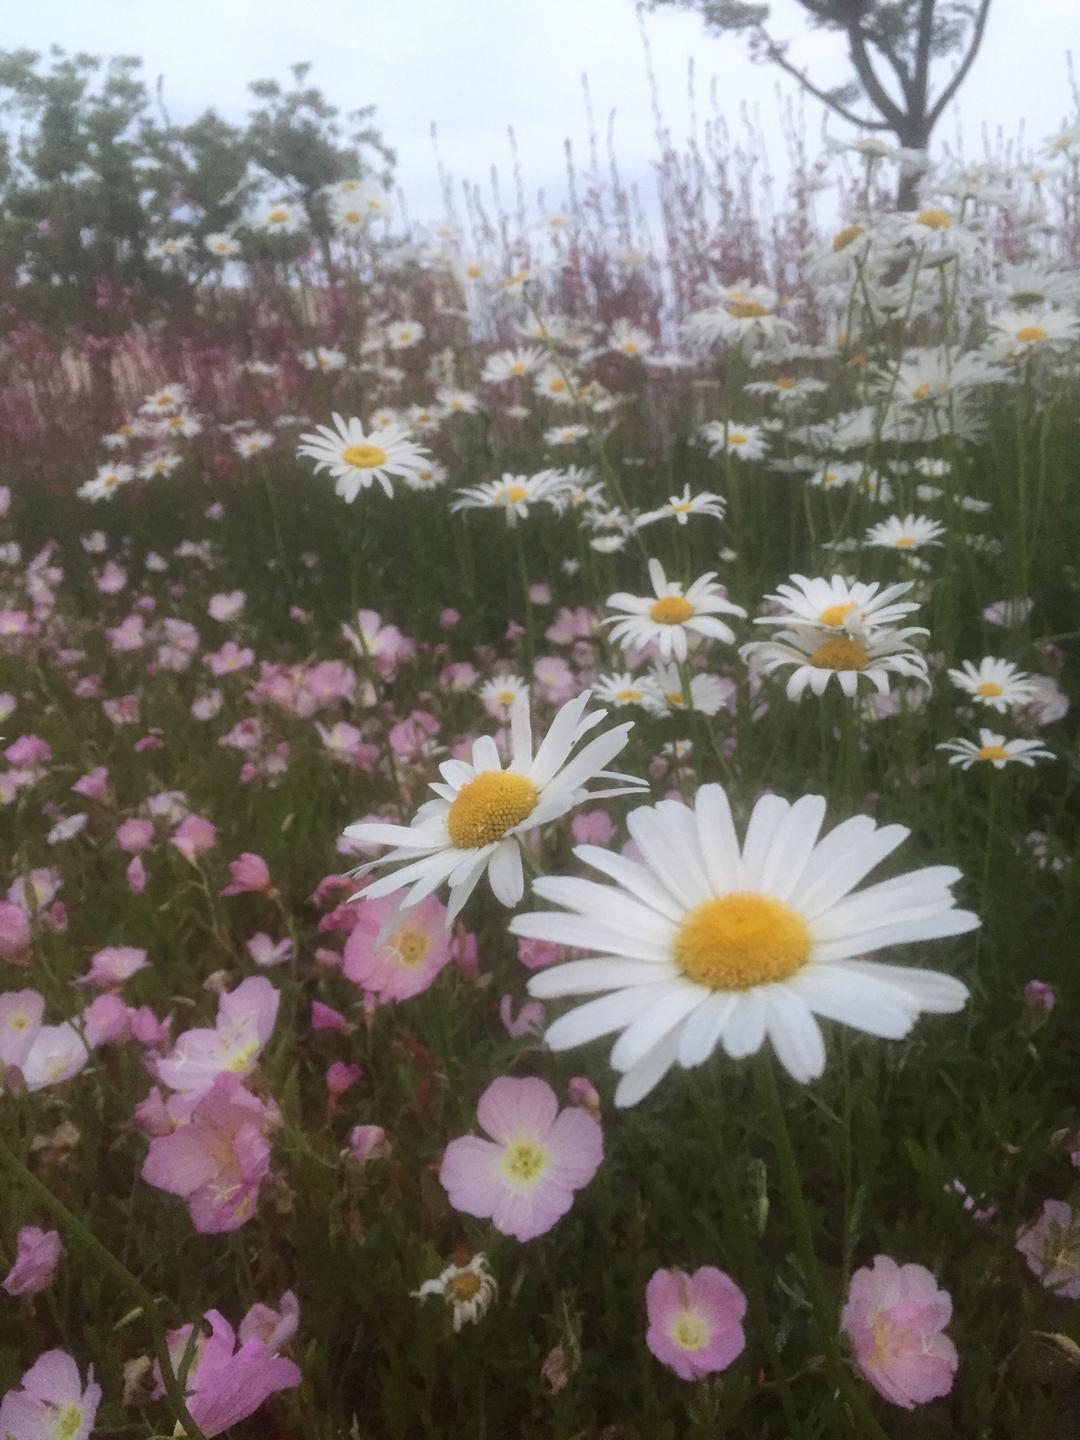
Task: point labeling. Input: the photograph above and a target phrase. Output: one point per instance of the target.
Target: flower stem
(824, 1311)
(21, 1174)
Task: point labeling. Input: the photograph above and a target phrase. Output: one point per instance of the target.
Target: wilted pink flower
(66, 829)
(52, 1396)
(14, 932)
(1008, 612)
(147, 1029)
(226, 607)
(266, 954)
(410, 738)
(368, 1142)
(592, 827)
(106, 1021)
(274, 1328)
(523, 1179)
(135, 874)
(113, 965)
(895, 1318)
(465, 951)
(217, 1159)
(407, 961)
(21, 1013)
(1039, 995)
(341, 1077)
(535, 953)
(581, 1091)
(94, 785)
(245, 1022)
(325, 1017)
(226, 1385)
(529, 1021)
(194, 836)
(250, 875)
(37, 1255)
(1051, 1246)
(695, 1321)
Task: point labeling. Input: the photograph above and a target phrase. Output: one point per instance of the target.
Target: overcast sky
(476, 66)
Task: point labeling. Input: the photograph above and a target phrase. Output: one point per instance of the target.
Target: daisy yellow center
(524, 1161)
(674, 697)
(922, 392)
(488, 806)
(19, 1021)
(517, 277)
(835, 615)
(785, 382)
(905, 542)
(736, 437)
(352, 217)
(747, 310)
(671, 610)
(629, 348)
(934, 219)
(840, 655)
(511, 495)
(278, 217)
(741, 940)
(110, 480)
(518, 368)
(993, 752)
(558, 384)
(69, 1422)
(990, 688)
(474, 271)
(364, 457)
(843, 238)
(1028, 333)
(411, 947)
(682, 507)
(627, 697)
(690, 1330)
(463, 1288)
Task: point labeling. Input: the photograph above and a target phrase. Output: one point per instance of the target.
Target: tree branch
(864, 68)
(965, 65)
(775, 53)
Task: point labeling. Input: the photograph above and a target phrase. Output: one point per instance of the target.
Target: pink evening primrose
(226, 1385)
(1051, 1247)
(110, 967)
(407, 959)
(523, 1179)
(21, 1013)
(37, 1255)
(695, 1321)
(245, 1022)
(52, 1404)
(250, 875)
(895, 1318)
(274, 1328)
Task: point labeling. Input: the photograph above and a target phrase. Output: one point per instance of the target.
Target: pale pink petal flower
(250, 875)
(226, 1385)
(274, 1328)
(245, 1022)
(21, 1013)
(404, 961)
(895, 1318)
(37, 1255)
(52, 1396)
(1051, 1246)
(695, 1321)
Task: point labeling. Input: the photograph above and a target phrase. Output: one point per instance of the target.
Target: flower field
(538, 808)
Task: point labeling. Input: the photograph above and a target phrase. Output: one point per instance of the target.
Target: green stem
(824, 1311)
(88, 1241)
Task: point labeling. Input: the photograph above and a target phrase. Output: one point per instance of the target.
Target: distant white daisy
(838, 604)
(221, 244)
(996, 683)
(704, 942)
(668, 617)
(566, 434)
(681, 507)
(513, 494)
(404, 334)
(430, 476)
(1017, 333)
(745, 442)
(468, 1290)
(482, 810)
(281, 218)
(356, 459)
(457, 402)
(552, 383)
(507, 365)
(322, 358)
(160, 402)
(666, 694)
(630, 340)
(499, 694)
(994, 750)
(622, 688)
(106, 482)
(911, 532)
(836, 475)
(253, 442)
(875, 656)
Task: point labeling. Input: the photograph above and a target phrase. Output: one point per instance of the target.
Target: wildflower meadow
(539, 795)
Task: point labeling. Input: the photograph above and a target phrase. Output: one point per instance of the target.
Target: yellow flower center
(671, 610)
(404, 334)
(517, 278)
(525, 1161)
(690, 1330)
(747, 310)
(741, 940)
(278, 217)
(410, 947)
(240, 1063)
(222, 247)
(736, 437)
(558, 384)
(110, 480)
(19, 1021)
(352, 217)
(1027, 333)
(488, 806)
(905, 542)
(518, 367)
(462, 1288)
(785, 382)
(629, 348)
(840, 655)
(363, 457)
(990, 688)
(474, 271)
(993, 752)
(835, 615)
(511, 495)
(934, 219)
(857, 360)
(843, 238)
(921, 392)
(69, 1422)
(628, 697)
(681, 507)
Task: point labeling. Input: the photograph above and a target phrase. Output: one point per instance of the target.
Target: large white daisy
(668, 617)
(817, 657)
(703, 942)
(838, 604)
(483, 810)
(355, 458)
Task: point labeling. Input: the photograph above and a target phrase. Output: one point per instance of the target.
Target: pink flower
(250, 876)
(37, 1255)
(226, 1385)
(592, 827)
(111, 578)
(52, 1396)
(218, 1158)
(106, 1020)
(325, 1017)
(523, 1179)
(554, 680)
(21, 1013)
(245, 1022)
(226, 607)
(529, 1021)
(341, 1077)
(274, 1328)
(408, 959)
(581, 1091)
(14, 931)
(113, 965)
(535, 953)
(135, 874)
(194, 836)
(134, 835)
(266, 954)
(28, 751)
(368, 1142)
(1039, 995)
(449, 618)
(57, 1053)
(895, 1318)
(229, 659)
(1051, 1247)
(695, 1321)
(94, 785)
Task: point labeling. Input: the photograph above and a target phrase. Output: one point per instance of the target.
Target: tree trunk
(914, 134)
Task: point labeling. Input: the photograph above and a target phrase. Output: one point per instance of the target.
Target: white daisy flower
(909, 533)
(354, 458)
(704, 942)
(513, 494)
(467, 1289)
(874, 656)
(499, 694)
(836, 476)
(322, 358)
(457, 402)
(170, 249)
(666, 695)
(403, 334)
(279, 219)
(429, 477)
(681, 507)
(994, 750)
(838, 604)
(507, 365)
(747, 442)
(482, 810)
(161, 462)
(622, 688)
(553, 383)
(106, 482)
(169, 397)
(1016, 333)
(996, 683)
(221, 244)
(668, 619)
(253, 443)
(787, 388)
(630, 340)
(566, 434)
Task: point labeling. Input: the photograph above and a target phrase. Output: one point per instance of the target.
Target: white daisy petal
(647, 1030)
(648, 1072)
(586, 977)
(600, 1017)
(794, 1034)
(701, 1031)
(744, 1032)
